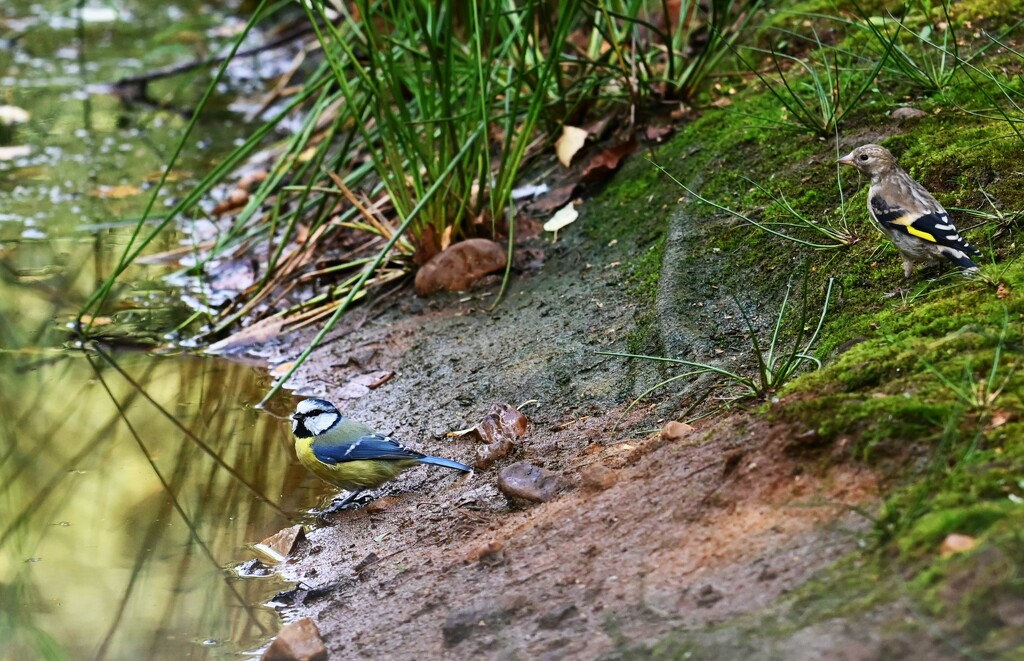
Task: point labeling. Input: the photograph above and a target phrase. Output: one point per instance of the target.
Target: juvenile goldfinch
(348, 454)
(908, 214)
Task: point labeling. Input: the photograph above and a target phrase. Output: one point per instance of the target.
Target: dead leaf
(569, 143)
(16, 151)
(657, 133)
(607, 161)
(236, 199)
(999, 418)
(562, 217)
(1002, 291)
(117, 192)
(251, 180)
(278, 371)
(89, 320)
(957, 543)
(553, 199)
(11, 115)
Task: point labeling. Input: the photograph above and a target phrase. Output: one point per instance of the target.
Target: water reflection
(129, 487)
(130, 483)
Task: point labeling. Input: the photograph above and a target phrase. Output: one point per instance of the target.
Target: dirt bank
(674, 534)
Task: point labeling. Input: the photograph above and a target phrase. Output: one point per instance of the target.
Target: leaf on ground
(569, 143)
(957, 543)
(607, 161)
(553, 199)
(13, 152)
(236, 199)
(564, 216)
(360, 385)
(11, 115)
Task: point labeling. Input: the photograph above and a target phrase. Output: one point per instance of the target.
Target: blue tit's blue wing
(362, 449)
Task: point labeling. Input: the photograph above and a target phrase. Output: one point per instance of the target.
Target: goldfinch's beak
(846, 160)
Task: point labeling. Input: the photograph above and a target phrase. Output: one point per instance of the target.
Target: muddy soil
(650, 535)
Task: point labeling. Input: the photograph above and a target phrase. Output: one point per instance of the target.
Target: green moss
(908, 384)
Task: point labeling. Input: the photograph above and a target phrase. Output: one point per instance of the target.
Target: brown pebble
(459, 266)
(489, 552)
(298, 641)
(524, 481)
(674, 431)
(598, 477)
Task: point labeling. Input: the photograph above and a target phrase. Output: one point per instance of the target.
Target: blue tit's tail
(447, 463)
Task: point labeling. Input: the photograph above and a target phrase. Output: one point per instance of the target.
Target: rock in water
(298, 641)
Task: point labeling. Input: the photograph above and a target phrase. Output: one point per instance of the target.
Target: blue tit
(350, 455)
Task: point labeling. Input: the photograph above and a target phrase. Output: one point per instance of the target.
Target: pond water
(130, 482)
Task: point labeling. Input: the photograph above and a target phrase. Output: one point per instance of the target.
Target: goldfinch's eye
(863, 157)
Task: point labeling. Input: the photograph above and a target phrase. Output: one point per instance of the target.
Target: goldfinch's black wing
(364, 448)
(934, 226)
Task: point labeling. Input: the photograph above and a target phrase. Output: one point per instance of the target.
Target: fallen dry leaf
(569, 143)
(607, 161)
(562, 217)
(236, 199)
(16, 151)
(118, 192)
(957, 543)
(11, 115)
(1002, 291)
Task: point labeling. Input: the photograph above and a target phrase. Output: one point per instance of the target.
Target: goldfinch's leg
(908, 266)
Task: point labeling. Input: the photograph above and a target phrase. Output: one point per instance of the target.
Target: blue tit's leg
(345, 501)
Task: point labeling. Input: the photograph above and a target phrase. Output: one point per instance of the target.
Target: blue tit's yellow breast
(351, 475)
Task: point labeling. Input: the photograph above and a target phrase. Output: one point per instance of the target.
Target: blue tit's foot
(352, 501)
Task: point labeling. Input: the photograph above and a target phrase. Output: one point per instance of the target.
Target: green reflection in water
(130, 483)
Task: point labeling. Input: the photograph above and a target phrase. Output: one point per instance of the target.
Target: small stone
(524, 481)
(487, 455)
(554, 618)
(598, 477)
(489, 552)
(708, 596)
(905, 112)
(280, 545)
(675, 431)
(459, 266)
(957, 543)
(298, 641)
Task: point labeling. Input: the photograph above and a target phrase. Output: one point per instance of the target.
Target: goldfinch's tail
(447, 463)
(960, 258)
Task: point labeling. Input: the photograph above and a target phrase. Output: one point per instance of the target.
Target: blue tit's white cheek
(321, 422)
